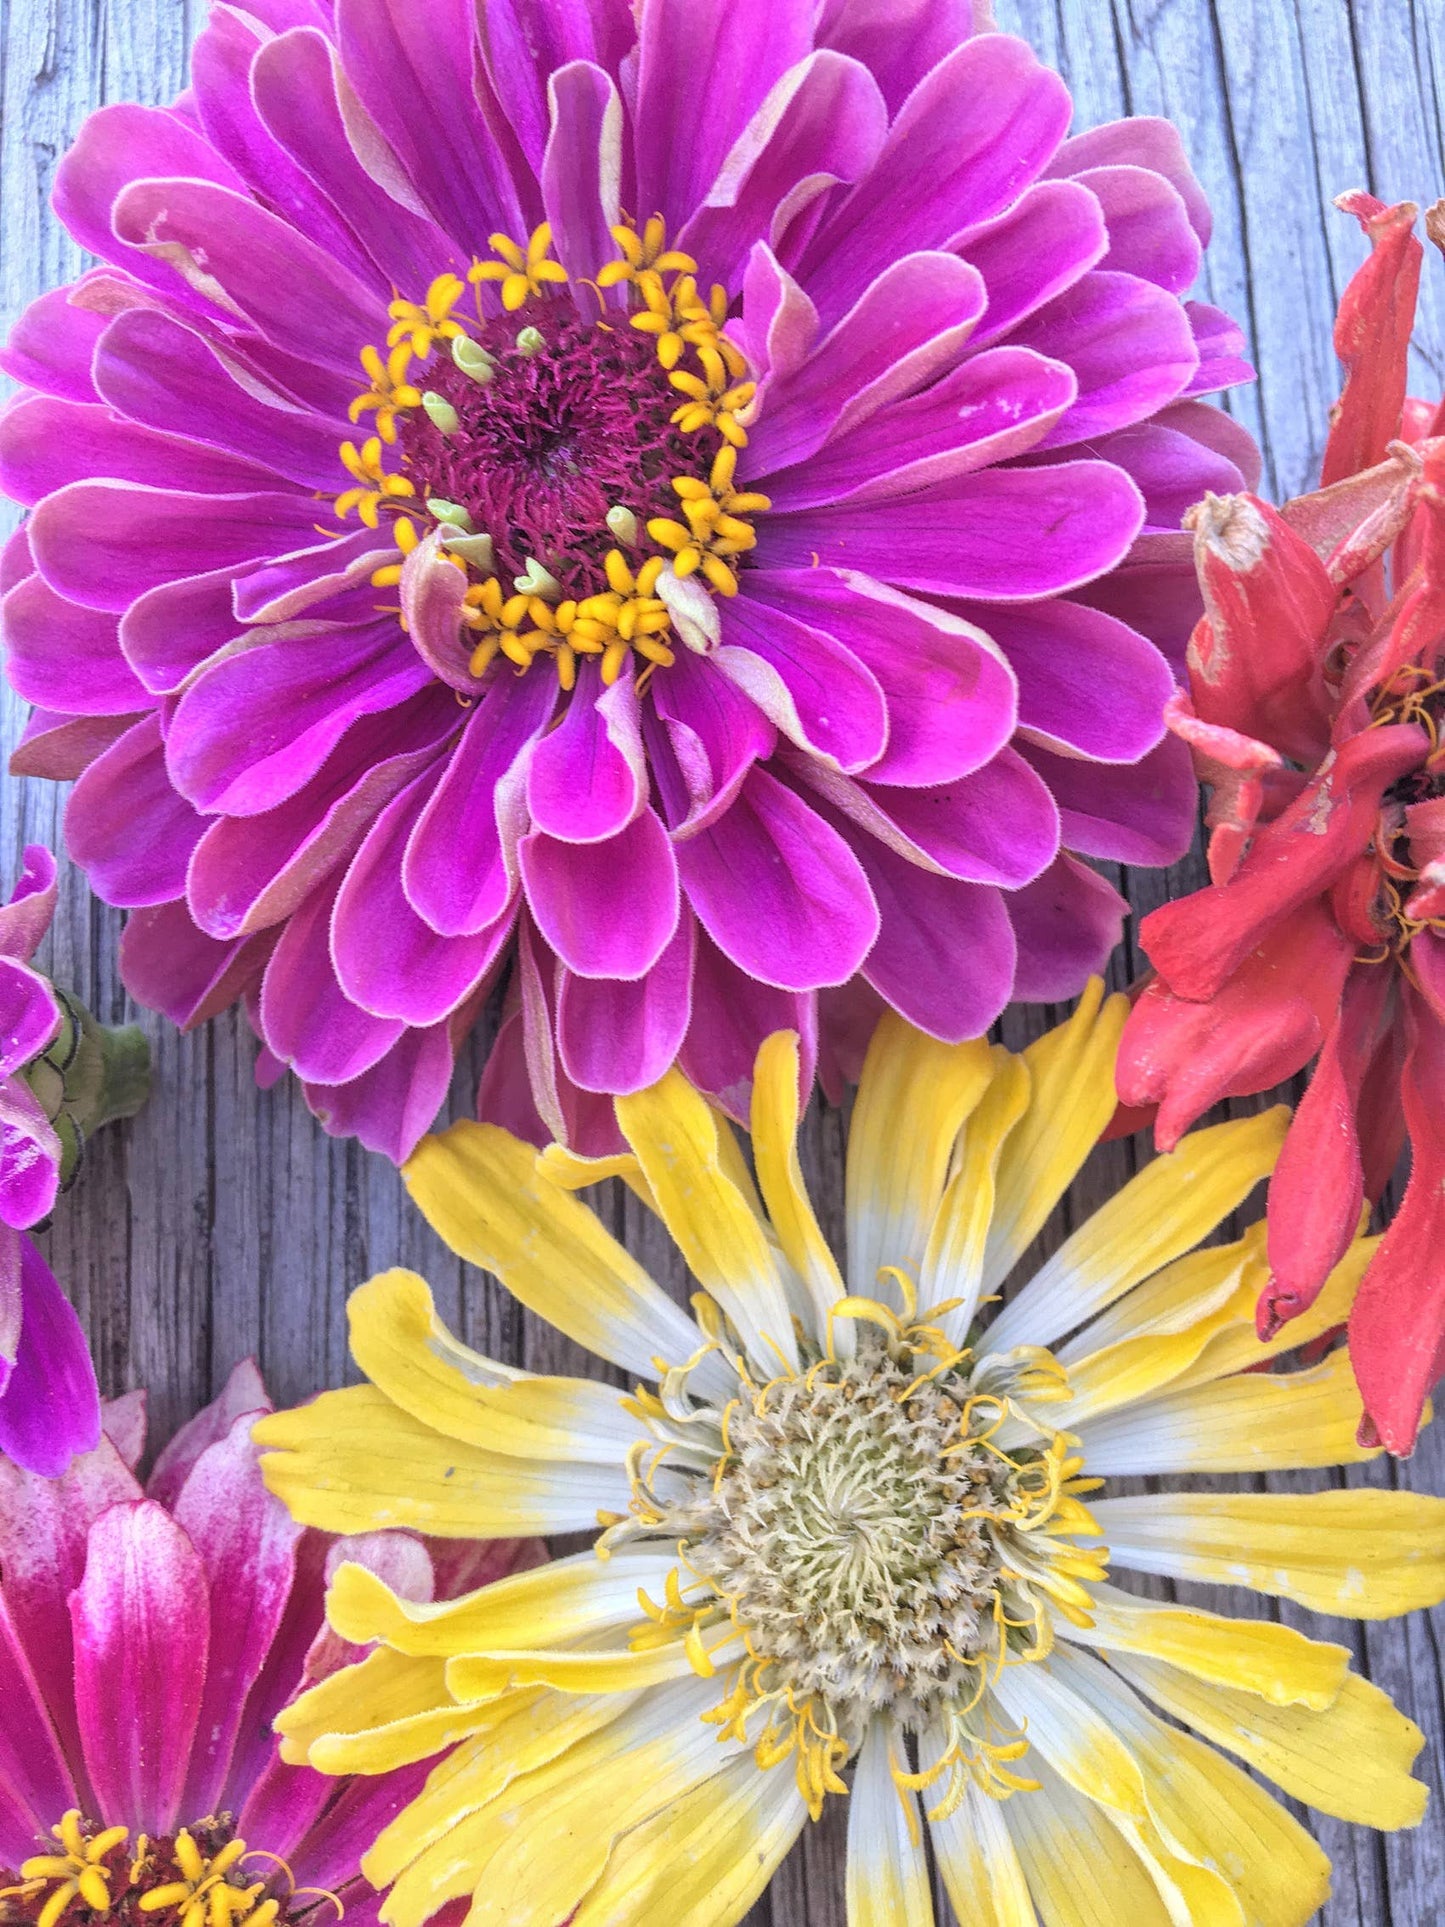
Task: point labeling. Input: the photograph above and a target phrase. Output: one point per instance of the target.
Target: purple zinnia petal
(421, 623)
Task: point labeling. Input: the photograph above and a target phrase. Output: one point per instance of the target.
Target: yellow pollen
(423, 323)
(522, 272)
(390, 391)
(374, 485)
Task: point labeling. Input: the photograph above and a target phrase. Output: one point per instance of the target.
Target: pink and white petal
(35, 1784)
(779, 892)
(608, 909)
(246, 1543)
(244, 1391)
(1066, 923)
(616, 1037)
(140, 1622)
(126, 826)
(583, 1120)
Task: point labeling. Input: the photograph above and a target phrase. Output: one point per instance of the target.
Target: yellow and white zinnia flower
(855, 1530)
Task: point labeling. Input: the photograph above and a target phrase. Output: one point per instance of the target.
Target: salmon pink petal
(141, 1625)
(607, 909)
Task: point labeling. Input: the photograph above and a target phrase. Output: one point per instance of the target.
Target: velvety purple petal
(167, 376)
(823, 123)
(977, 535)
(45, 444)
(227, 247)
(1086, 682)
(169, 965)
(582, 171)
(1149, 228)
(615, 1036)
(1129, 344)
(1049, 239)
(945, 952)
(117, 145)
(683, 133)
(1140, 812)
(221, 62)
(51, 346)
(29, 1015)
(779, 892)
(1141, 141)
(17, 559)
(459, 871)
(104, 543)
(433, 596)
(65, 657)
(139, 1619)
(26, 915)
(900, 40)
(410, 70)
(951, 699)
(125, 825)
(731, 1015)
(295, 711)
(1066, 924)
(1159, 599)
(59, 747)
(968, 140)
(390, 1107)
(1221, 346)
(907, 325)
(29, 1148)
(998, 825)
(1171, 470)
(993, 407)
(587, 778)
(607, 909)
(250, 872)
(35, 1784)
(584, 1120)
(305, 1016)
(244, 1391)
(525, 41)
(1206, 422)
(167, 633)
(388, 961)
(810, 686)
(246, 1542)
(779, 324)
(51, 1406)
(703, 737)
(285, 586)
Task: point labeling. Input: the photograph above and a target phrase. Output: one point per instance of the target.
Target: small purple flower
(61, 1073)
(149, 1635)
(676, 513)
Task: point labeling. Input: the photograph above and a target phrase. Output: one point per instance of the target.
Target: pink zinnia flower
(148, 1638)
(1318, 695)
(437, 572)
(61, 1074)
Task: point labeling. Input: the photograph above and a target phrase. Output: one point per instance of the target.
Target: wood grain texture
(223, 1222)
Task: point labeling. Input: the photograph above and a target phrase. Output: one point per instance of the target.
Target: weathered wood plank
(223, 1222)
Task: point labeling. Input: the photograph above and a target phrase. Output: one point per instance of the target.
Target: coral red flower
(148, 1638)
(1318, 697)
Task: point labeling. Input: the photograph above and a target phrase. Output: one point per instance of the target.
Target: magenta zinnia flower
(677, 510)
(61, 1074)
(147, 1641)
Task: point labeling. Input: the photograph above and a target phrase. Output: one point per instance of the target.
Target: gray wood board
(222, 1222)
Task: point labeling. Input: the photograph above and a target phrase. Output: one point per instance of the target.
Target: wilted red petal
(1198, 943)
(1372, 336)
(1263, 1026)
(1397, 1326)
(1318, 1184)
(1255, 659)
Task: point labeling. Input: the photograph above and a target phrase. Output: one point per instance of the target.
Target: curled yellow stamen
(374, 484)
(714, 527)
(390, 391)
(643, 253)
(522, 273)
(421, 323)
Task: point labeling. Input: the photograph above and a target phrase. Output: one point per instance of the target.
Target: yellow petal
(705, 1858)
(1255, 1656)
(980, 1864)
(1071, 1099)
(887, 1870)
(675, 1136)
(481, 1191)
(775, 1110)
(1172, 1204)
(1363, 1554)
(912, 1101)
(382, 1689)
(351, 1461)
(1253, 1422)
(1081, 1870)
(1172, 1303)
(1238, 1346)
(1351, 1760)
(619, 1670)
(573, 1172)
(550, 1605)
(408, 1353)
(954, 1261)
